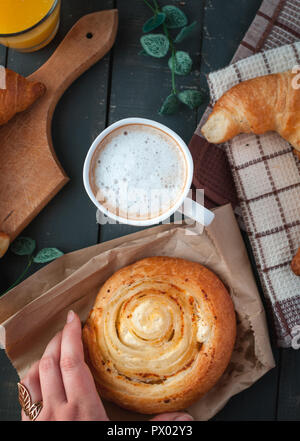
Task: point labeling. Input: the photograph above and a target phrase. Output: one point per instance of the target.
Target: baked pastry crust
(160, 334)
(262, 104)
(295, 264)
(18, 95)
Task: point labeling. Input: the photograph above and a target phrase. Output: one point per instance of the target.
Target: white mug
(184, 205)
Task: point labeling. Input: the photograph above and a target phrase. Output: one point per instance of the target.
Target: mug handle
(196, 212)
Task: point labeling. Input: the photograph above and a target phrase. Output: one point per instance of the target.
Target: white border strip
(2, 77)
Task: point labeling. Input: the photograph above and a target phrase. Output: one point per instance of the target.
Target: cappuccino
(138, 172)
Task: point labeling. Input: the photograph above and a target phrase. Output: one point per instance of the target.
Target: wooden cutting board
(30, 174)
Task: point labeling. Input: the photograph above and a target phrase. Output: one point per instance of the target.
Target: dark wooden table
(121, 85)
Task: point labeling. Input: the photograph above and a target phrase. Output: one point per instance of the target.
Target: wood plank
(225, 24)
(259, 402)
(38, 176)
(3, 54)
(68, 222)
(140, 83)
(80, 116)
(9, 409)
(224, 27)
(289, 386)
(9, 406)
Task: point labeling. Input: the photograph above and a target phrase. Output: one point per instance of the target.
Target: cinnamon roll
(160, 334)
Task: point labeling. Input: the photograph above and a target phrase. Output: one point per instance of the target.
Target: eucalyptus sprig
(158, 45)
(25, 246)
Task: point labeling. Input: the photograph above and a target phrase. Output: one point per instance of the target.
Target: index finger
(77, 378)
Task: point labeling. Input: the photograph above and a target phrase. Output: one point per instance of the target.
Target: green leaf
(175, 18)
(191, 98)
(154, 22)
(47, 254)
(156, 45)
(23, 246)
(143, 52)
(183, 63)
(170, 105)
(185, 32)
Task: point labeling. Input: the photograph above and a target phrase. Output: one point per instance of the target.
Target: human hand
(63, 381)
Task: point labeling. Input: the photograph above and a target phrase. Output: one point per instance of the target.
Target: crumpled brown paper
(34, 311)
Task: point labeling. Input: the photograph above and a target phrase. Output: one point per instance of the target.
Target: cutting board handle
(88, 41)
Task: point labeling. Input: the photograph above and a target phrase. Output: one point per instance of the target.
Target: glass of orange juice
(28, 25)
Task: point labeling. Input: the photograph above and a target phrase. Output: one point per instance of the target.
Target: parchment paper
(34, 311)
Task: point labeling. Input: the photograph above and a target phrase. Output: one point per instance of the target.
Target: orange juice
(28, 25)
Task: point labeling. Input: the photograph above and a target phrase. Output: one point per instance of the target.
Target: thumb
(173, 416)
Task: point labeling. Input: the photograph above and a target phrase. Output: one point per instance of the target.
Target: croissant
(295, 264)
(16, 94)
(4, 243)
(296, 153)
(160, 334)
(259, 105)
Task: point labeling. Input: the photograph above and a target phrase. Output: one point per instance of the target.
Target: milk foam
(138, 172)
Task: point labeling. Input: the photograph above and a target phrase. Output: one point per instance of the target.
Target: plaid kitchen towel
(260, 180)
(267, 180)
(277, 23)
